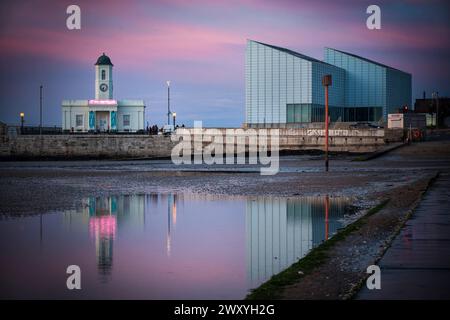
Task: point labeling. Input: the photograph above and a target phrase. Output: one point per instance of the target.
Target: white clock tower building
(104, 113)
(103, 78)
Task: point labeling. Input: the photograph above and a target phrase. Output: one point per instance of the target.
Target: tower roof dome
(103, 60)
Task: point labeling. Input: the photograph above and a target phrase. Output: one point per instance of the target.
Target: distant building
(425, 106)
(284, 88)
(430, 105)
(103, 113)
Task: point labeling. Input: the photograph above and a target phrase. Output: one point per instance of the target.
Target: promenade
(417, 265)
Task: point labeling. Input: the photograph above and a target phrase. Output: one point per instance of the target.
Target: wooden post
(326, 81)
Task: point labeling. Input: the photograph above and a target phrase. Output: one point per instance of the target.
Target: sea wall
(97, 146)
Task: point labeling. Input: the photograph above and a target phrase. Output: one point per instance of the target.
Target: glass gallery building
(285, 87)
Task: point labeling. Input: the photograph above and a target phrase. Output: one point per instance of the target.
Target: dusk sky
(200, 47)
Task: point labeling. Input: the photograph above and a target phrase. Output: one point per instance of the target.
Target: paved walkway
(417, 265)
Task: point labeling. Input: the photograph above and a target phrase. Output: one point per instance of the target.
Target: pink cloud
(155, 38)
(151, 37)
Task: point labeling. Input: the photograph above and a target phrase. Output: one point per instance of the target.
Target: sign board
(406, 120)
(395, 121)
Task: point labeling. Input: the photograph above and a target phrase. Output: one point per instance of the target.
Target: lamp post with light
(40, 109)
(174, 115)
(22, 117)
(168, 102)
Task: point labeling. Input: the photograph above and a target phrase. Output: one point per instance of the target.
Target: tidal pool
(162, 246)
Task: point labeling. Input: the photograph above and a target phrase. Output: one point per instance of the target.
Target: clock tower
(103, 78)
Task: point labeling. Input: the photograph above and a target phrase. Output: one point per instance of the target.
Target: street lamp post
(40, 109)
(435, 96)
(22, 116)
(326, 82)
(168, 102)
(174, 115)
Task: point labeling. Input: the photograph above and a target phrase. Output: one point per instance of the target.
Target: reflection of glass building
(280, 231)
(285, 87)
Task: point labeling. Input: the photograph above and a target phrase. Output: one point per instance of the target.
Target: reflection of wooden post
(326, 81)
(327, 205)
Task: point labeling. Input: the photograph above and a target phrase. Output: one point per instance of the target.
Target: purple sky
(200, 47)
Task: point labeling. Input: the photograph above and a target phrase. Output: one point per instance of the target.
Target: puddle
(162, 246)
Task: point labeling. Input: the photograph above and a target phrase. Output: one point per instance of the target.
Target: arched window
(103, 74)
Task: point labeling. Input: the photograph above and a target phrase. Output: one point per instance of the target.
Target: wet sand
(39, 187)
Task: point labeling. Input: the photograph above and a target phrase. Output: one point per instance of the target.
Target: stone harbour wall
(85, 146)
(109, 146)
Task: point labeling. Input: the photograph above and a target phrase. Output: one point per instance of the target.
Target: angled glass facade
(283, 86)
(371, 88)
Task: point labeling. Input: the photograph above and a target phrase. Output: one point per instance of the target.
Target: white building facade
(104, 113)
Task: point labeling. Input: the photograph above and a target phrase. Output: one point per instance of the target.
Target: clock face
(103, 87)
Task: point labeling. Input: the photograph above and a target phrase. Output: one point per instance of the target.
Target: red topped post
(326, 81)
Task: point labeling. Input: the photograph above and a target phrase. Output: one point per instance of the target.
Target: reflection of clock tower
(103, 78)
